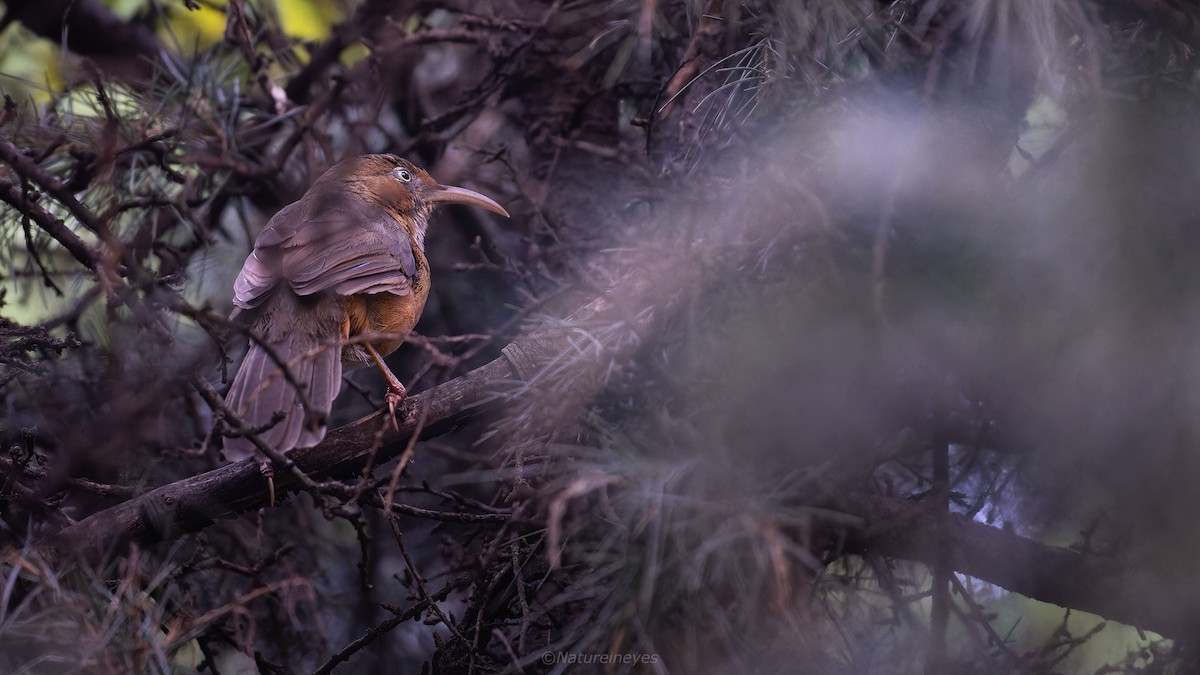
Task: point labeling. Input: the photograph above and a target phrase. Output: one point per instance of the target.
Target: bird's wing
(328, 241)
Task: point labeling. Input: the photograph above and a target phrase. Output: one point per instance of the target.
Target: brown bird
(336, 280)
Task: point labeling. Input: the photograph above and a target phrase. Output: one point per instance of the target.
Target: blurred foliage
(31, 68)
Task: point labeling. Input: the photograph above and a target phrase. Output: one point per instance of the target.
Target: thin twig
(460, 581)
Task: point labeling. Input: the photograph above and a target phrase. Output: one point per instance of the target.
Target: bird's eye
(402, 174)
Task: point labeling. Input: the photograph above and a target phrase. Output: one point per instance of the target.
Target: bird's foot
(393, 399)
(268, 472)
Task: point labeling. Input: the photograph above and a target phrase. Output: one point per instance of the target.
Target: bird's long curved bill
(449, 194)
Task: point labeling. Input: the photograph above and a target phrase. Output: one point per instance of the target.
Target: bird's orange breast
(385, 314)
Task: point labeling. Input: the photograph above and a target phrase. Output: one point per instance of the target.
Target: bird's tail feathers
(285, 415)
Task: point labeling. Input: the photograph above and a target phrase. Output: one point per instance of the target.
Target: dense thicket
(829, 337)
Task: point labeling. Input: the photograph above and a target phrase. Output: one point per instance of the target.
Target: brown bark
(1110, 587)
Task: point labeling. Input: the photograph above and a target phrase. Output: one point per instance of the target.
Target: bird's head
(401, 187)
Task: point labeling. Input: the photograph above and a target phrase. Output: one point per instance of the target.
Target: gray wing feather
(323, 242)
(253, 283)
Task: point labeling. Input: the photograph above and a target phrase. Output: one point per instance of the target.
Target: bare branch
(78, 248)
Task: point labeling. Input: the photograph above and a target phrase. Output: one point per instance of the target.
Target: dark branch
(28, 169)
(1111, 588)
(78, 248)
(369, 14)
(89, 28)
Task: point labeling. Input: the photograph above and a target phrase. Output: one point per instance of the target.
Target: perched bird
(336, 280)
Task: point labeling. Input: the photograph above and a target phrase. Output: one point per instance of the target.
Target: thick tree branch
(194, 503)
(1109, 587)
(88, 28)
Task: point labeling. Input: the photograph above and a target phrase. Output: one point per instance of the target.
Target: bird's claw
(393, 399)
(268, 472)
